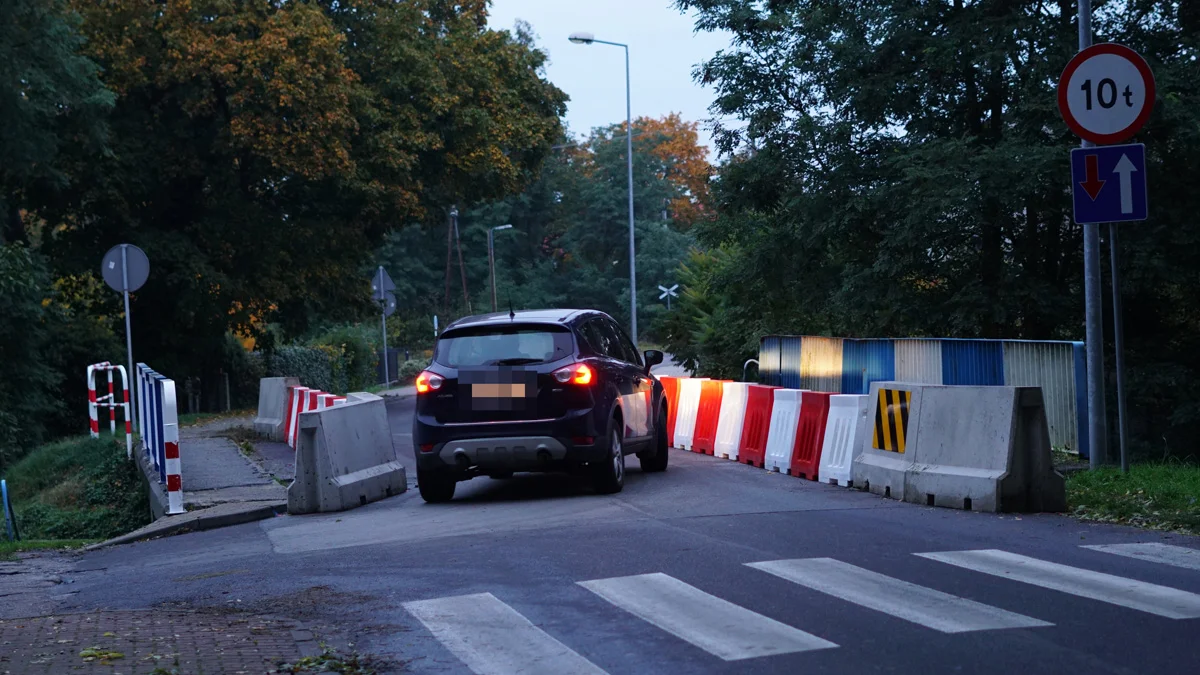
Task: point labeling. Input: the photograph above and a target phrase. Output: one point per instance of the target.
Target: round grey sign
(136, 266)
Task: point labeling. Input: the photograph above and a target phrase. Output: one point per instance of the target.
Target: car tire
(658, 461)
(608, 475)
(435, 488)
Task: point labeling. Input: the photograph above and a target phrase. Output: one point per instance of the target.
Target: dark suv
(546, 390)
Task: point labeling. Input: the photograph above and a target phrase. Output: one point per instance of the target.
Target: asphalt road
(712, 567)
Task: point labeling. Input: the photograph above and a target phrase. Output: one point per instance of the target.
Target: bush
(80, 488)
(408, 371)
(309, 364)
(353, 357)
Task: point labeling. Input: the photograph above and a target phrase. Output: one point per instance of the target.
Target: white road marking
(717, 626)
(492, 638)
(901, 599)
(1179, 556)
(1161, 600)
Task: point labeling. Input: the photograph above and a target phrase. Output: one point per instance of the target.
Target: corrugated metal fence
(849, 366)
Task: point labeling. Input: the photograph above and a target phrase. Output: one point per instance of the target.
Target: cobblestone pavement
(150, 642)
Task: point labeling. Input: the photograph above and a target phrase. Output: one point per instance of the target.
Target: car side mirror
(653, 358)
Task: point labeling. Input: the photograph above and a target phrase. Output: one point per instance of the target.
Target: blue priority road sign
(1108, 183)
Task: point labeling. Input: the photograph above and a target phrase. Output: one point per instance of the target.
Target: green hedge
(339, 360)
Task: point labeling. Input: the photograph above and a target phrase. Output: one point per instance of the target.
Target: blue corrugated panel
(867, 361)
(789, 361)
(976, 362)
(1085, 445)
(768, 360)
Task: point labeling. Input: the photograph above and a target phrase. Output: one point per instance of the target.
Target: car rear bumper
(474, 449)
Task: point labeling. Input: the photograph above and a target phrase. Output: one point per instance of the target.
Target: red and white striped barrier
(302, 400)
(159, 423)
(109, 401)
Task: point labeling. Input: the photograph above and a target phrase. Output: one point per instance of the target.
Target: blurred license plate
(497, 390)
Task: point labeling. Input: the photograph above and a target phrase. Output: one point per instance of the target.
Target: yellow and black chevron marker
(891, 419)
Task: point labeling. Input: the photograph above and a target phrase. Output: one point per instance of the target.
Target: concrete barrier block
(272, 406)
(984, 449)
(884, 458)
(345, 458)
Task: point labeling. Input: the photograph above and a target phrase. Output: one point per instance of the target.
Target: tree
(899, 169)
(50, 97)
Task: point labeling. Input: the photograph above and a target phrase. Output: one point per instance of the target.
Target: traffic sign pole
(1118, 340)
(1093, 303)
(128, 332)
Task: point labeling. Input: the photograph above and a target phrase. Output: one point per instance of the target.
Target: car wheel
(609, 474)
(435, 488)
(658, 461)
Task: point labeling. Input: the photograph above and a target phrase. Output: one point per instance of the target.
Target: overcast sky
(663, 49)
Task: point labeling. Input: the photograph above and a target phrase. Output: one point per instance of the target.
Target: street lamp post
(587, 39)
(492, 258)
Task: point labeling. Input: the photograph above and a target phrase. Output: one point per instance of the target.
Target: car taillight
(427, 382)
(576, 373)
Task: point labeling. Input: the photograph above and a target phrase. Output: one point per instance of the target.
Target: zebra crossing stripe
(1179, 556)
(717, 626)
(1146, 597)
(492, 638)
(901, 599)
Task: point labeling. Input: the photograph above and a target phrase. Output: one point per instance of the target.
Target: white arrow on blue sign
(1108, 183)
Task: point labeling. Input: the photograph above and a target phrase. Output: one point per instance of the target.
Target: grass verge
(10, 549)
(77, 488)
(1159, 496)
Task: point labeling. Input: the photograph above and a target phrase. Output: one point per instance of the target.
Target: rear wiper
(514, 362)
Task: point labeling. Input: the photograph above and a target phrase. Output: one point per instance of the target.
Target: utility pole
(462, 270)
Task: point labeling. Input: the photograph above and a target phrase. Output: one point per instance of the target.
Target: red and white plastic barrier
(810, 434)
(760, 402)
(785, 414)
(844, 431)
(671, 393)
(708, 416)
(109, 401)
(732, 419)
(689, 409)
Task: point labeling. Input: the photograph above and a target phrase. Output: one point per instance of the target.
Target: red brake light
(576, 373)
(427, 382)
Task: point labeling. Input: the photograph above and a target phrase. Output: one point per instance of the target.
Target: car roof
(551, 316)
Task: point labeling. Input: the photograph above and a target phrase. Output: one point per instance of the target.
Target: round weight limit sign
(1106, 93)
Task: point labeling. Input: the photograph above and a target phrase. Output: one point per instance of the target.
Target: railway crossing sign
(668, 293)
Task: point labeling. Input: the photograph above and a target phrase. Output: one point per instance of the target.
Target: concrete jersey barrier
(272, 406)
(345, 457)
(982, 448)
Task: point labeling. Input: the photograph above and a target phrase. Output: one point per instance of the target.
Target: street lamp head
(582, 38)
(502, 227)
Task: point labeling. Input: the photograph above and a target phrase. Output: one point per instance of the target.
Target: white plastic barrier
(689, 408)
(781, 438)
(844, 431)
(733, 415)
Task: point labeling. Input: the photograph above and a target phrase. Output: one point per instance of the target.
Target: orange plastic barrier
(759, 402)
(810, 434)
(708, 417)
(671, 393)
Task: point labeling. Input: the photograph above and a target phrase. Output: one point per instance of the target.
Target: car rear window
(503, 345)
